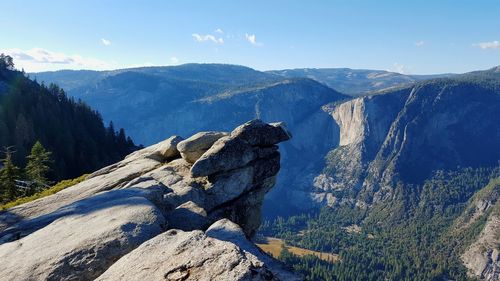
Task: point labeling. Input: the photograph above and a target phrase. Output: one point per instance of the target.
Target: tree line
(75, 134)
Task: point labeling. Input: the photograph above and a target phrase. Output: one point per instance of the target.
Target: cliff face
(400, 134)
(148, 215)
(364, 123)
(482, 257)
(406, 135)
(401, 138)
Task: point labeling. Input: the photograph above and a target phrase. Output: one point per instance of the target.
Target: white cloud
(488, 45)
(218, 30)
(399, 68)
(419, 43)
(207, 37)
(174, 60)
(252, 39)
(38, 59)
(105, 42)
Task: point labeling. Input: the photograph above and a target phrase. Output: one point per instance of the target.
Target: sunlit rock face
(105, 222)
(405, 135)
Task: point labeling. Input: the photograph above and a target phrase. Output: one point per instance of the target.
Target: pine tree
(38, 166)
(9, 173)
(6, 61)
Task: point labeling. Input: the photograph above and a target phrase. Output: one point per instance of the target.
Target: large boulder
(246, 143)
(223, 253)
(168, 148)
(192, 148)
(258, 133)
(162, 151)
(229, 186)
(226, 154)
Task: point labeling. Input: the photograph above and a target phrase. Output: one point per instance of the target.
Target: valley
(250, 140)
(274, 246)
(361, 175)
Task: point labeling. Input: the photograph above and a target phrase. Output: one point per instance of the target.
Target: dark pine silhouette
(71, 130)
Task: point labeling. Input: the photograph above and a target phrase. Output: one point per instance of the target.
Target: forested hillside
(401, 204)
(419, 235)
(72, 133)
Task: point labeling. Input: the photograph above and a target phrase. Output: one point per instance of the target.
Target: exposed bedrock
(147, 215)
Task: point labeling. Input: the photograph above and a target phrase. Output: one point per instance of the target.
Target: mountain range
(385, 148)
(356, 82)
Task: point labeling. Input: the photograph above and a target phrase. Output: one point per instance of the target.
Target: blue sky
(417, 37)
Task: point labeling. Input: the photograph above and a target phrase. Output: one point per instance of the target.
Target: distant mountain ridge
(356, 82)
(213, 74)
(146, 91)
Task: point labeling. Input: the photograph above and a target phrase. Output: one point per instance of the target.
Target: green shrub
(56, 188)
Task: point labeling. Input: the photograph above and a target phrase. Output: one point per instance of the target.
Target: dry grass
(56, 188)
(273, 247)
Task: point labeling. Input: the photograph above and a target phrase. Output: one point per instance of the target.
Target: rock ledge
(145, 218)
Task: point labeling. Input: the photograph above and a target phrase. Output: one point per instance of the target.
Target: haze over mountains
(156, 102)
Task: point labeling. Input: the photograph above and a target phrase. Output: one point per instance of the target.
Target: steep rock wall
(363, 125)
(80, 232)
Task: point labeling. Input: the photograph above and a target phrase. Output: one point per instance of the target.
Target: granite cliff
(182, 209)
(382, 154)
(394, 147)
(482, 257)
(404, 136)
